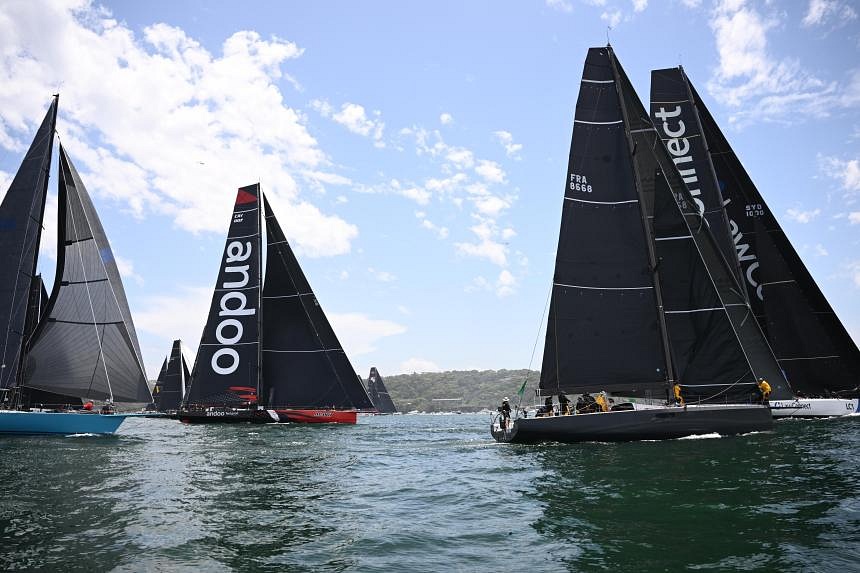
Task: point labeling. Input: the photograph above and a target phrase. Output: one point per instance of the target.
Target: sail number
(756, 210)
(579, 183)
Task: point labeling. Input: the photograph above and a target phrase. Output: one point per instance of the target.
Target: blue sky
(415, 153)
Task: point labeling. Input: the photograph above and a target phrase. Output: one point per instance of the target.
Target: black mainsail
(21, 215)
(227, 368)
(304, 364)
(639, 273)
(174, 375)
(379, 393)
(812, 347)
(85, 344)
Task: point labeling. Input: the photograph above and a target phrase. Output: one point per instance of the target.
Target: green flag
(522, 388)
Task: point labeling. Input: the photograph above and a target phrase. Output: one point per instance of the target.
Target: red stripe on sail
(244, 197)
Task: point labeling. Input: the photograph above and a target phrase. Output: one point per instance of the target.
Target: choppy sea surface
(427, 493)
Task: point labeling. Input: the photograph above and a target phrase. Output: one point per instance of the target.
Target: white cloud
(344, 275)
(411, 365)
(761, 87)
(168, 317)
(126, 269)
(486, 247)
(802, 216)
(506, 284)
(460, 157)
(691, 3)
(507, 140)
(353, 117)
(404, 310)
(446, 119)
(854, 217)
(441, 232)
(490, 171)
(820, 251)
(612, 17)
(847, 172)
(382, 276)
(359, 333)
(639, 5)
(165, 85)
(490, 205)
(560, 5)
(853, 272)
(823, 11)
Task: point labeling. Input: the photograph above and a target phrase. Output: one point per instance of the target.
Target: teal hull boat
(66, 423)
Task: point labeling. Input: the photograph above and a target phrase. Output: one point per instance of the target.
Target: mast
(647, 230)
(259, 370)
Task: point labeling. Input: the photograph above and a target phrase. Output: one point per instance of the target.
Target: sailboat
(172, 378)
(268, 353)
(642, 298)
(817, 355)
(379, 393)
(79, 343)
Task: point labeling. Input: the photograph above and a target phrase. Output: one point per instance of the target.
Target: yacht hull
(814, 407)
(275, 416)
(652, 424)
(66, 423)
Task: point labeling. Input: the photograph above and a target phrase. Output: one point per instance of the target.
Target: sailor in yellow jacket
(601, 401)
(679, 399)
(764, 388)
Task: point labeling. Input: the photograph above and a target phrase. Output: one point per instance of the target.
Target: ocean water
(427, 493)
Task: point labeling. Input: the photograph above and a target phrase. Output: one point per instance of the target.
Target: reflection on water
(430, 493)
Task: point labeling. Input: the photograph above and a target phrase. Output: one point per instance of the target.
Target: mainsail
(21, 216)
(643, 296)
(812, 347)
(227, 368)
(603, 330)
(170, 386)
(304, 364)
(379, 393)
(85, 344)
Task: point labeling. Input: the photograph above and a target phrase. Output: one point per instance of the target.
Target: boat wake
(83, 435)
(710, 436)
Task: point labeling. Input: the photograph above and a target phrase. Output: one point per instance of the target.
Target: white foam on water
(84, 435)
(710, 436)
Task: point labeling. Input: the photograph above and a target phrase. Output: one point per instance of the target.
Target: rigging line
(534, 348)
(89, 297)
(728, 387)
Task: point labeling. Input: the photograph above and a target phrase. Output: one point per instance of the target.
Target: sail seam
(598, 81)
(692, 310)
(597, 122)
(603, 288)
(808, 358)
(673, 238)
(224, 344)
(601, 202)
(245, 211)
(304, 351)
(290, 295)
(664, 102)
(778, 282)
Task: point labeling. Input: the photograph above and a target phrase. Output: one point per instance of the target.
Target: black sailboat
(268, 354)
(813, 348)
(379, 393)
(172, 379)
(81, 343)
(642, 297)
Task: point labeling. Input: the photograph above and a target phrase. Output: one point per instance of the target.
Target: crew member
(504, 413)
(679, 399)
(764, 388)
(601, 401)
(546, 410)
(563, 405)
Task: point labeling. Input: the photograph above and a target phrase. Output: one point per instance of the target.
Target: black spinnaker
(227, 368)
(85, 344)
(812, 347)
(172, 380)
(21, 215)
(642, 295)
(379, 393)
(304, 364)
